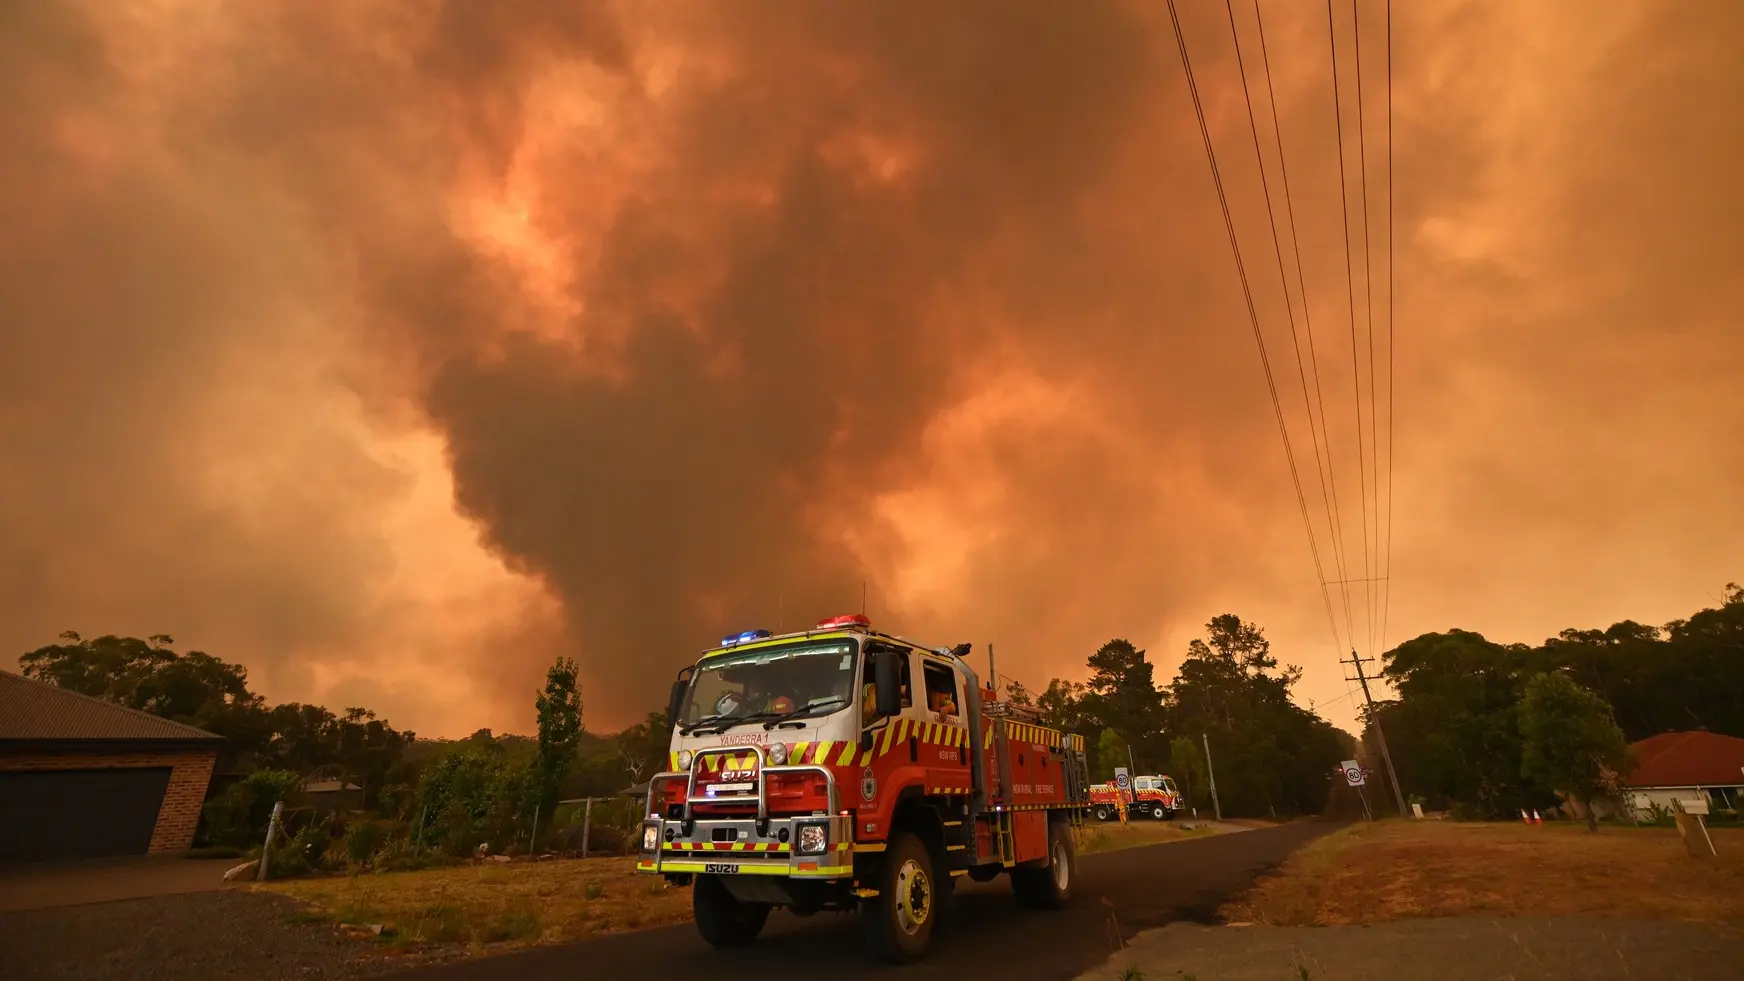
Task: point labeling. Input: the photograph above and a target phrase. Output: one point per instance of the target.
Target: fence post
(272, 826)
(586, 819)
(533, 842)
(418, 835)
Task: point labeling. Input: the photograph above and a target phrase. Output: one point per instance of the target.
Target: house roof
(1688, 759)
(35, 711)
(329, 787)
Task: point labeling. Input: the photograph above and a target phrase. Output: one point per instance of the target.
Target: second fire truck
(843, 768)
(1151, 796)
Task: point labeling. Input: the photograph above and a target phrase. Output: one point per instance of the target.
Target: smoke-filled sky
(394, 349)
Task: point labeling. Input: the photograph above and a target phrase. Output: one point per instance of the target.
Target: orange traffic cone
(1536, 819)
(1524, 817)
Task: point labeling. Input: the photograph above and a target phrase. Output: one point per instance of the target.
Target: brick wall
(177, 817)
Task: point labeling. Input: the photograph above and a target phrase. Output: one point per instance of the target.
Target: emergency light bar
(746, 637)
(851, 620)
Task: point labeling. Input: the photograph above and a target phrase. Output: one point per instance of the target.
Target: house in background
(1685, 766)
(84, 778)
(330, 795)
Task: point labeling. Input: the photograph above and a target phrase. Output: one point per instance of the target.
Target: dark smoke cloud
(721, 313)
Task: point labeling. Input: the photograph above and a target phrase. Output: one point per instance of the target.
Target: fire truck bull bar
(739, 845)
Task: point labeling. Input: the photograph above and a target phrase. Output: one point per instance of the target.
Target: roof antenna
(862, 597)
(780, 613)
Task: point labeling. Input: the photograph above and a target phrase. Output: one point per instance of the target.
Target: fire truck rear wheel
(1102, 813)
(1049, 887)
(899, 920)
(723, 920)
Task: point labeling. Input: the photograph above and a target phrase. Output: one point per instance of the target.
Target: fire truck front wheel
(1102, 812)
(723, 920)
(899, 920)
(1049, 887)
(1159, 812)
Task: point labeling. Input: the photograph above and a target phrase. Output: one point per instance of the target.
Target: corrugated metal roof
(1688, 759)
(34, 710)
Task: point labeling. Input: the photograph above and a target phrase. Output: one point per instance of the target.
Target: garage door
(47, 815)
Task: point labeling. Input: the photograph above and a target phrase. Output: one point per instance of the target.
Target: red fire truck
(843, 768)
(1151, 796)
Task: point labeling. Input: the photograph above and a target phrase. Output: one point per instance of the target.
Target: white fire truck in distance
(842, 768)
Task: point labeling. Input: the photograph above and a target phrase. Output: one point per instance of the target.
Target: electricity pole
(1375, 720)
(1212, 776)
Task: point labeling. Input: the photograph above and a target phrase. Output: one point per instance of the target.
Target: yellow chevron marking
(865, 758)
(823, 750)
(847, 754)
(799, 750)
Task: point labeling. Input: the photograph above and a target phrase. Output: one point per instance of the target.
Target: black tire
(899, 920)
(1050, 886)
(1102, 812)
(722, 920)
(1159, 812)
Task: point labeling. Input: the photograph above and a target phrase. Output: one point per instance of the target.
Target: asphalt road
(1145, 887)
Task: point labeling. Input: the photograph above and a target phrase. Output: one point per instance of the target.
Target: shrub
(238, 817)
(363, 840)
(472, 796)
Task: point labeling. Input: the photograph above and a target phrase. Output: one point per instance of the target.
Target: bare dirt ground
(1426, 900)
(223, 935)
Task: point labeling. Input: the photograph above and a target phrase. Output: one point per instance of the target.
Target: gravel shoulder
(1448, 949)
(220, 935)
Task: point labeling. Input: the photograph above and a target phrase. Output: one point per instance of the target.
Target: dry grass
(493, 906)
(497, 905)
(1396, 870)
(1112, 836)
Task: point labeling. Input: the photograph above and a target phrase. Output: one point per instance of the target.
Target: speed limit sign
(1353, 773)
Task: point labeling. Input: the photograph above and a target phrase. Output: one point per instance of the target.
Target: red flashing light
(851, 620)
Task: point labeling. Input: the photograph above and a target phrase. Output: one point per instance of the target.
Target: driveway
(102, 880)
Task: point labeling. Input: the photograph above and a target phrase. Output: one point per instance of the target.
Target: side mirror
(887, 682)
(675, 701)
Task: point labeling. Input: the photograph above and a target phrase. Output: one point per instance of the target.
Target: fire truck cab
(842, 768)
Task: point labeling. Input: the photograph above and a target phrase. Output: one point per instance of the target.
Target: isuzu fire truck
(843, 768)
(1151, 796)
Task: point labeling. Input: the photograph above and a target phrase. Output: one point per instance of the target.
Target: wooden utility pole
(1211, 776)
(1380, 735)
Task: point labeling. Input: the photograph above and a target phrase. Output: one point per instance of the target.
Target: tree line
(1270, 756)
(1486, 729)
(448, 794)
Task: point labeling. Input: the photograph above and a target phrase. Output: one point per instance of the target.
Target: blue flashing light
(745, 637)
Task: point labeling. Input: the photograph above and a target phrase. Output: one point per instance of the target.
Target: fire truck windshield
(788, 681)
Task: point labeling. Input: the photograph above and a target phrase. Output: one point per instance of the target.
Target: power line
(1387, 590)
(1350, 295)
(1284, 283)
(1362, 157)
(1330, 486)
(1252, 313)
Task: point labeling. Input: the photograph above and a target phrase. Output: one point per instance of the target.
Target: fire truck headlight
(650, 837)
(778, 754)
(684, 759)
(813, 839)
